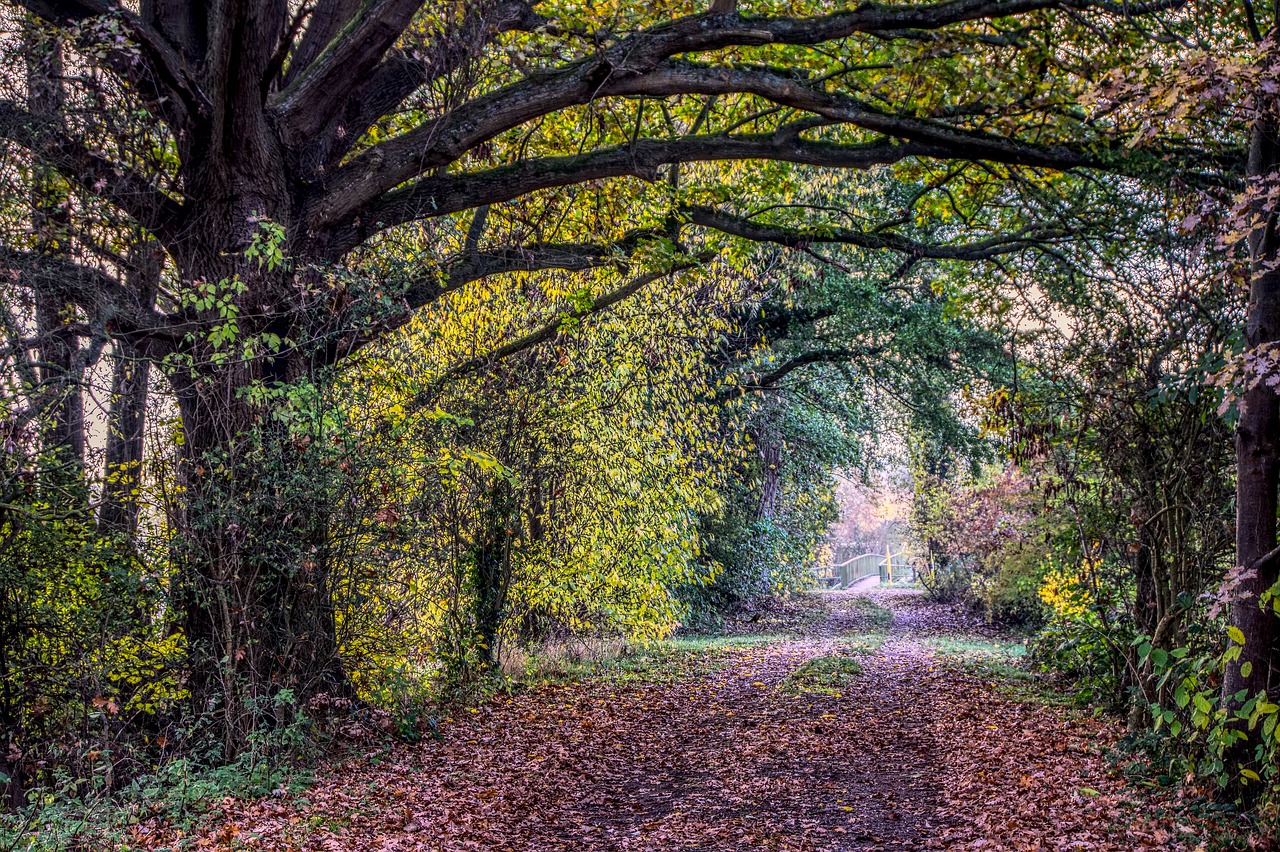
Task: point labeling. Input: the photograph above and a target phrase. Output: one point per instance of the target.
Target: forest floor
(854, 720)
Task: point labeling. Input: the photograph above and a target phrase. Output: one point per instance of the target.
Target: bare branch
(110, 305)
(163, 76)
(92, 171)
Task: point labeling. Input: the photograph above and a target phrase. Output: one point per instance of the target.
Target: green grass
(1000, 662)
(824, 675)
(977, 645)
(80, 815)
(986, 658)
(876, 615)
(857, 644)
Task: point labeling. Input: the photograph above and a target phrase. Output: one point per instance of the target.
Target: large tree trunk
(1258, 455)
(253, 561)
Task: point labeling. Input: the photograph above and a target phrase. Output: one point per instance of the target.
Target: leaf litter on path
(909, 753)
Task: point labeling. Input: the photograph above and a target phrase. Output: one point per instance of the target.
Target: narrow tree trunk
(126, 420)
(493, 570)
(771, 479)
(59, 372)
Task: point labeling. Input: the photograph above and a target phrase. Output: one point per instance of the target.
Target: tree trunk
(59, 372)
(493, 570)
(126, 420)
(1257, 455)
(771, 478)
(253, 524)
(254, 566)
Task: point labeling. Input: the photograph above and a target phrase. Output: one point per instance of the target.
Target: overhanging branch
(444, 194)
(625, 67)
(163, 76)
(109, 304)
(1026, 238)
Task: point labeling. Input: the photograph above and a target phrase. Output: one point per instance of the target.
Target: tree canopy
(449, 326)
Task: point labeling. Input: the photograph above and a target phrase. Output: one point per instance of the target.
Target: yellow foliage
(146, 671)
(1065, 592)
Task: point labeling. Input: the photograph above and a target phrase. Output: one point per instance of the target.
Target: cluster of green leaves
(1203, 732)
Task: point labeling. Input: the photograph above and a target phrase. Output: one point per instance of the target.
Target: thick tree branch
(475, 264)
(325, 21)
(1026, 238)
(309, 102)
(817, 356)
(621, 68)
(403, 71)
(568, 257)
(437, 196)
(682, 78)
(441, 195)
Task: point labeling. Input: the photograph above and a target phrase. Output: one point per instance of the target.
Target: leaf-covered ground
(854, 734)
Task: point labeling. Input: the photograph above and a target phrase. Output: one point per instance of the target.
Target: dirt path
(731, 751)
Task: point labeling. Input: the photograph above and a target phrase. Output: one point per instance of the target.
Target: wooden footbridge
(888, 566)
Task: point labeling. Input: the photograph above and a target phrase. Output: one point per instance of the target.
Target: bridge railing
(888, 566)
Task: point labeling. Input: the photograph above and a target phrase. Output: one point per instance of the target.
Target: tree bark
(1257, 453)
(493, 569)
(771, 478)
(254, 563)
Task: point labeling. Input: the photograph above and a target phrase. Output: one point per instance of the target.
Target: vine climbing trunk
(254, 556)
(255, 562)
(493, 569)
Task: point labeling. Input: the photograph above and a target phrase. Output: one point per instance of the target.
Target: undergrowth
(1000, 662)
(74, 814)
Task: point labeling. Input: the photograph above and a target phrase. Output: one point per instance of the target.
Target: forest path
(760, 744)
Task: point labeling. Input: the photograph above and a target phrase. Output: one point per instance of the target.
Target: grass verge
(823, 675)
(1000, 662)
